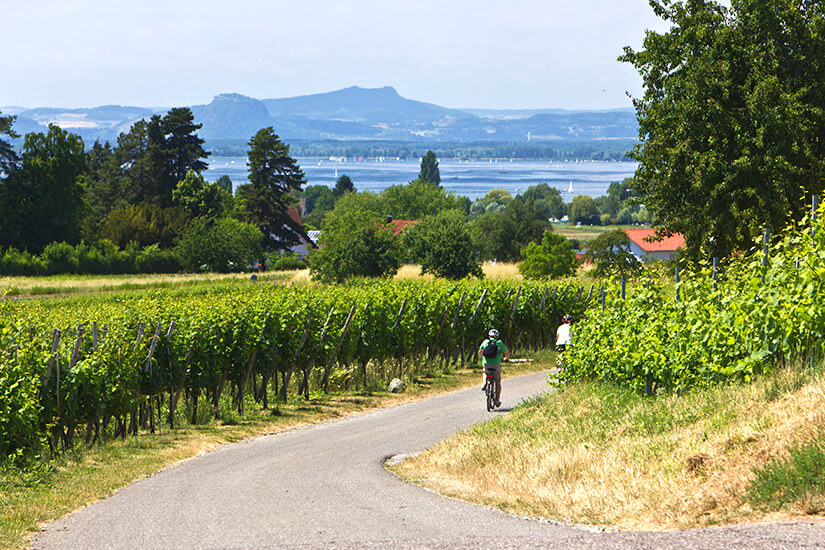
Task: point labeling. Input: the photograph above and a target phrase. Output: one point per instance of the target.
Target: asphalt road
(326, 487)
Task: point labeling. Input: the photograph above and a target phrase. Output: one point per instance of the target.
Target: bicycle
(490, 391)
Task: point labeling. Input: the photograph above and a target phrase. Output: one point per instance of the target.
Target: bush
(60, 258)
(153, 259)
(284, 262)
(16, 263)
(553, 258)
(225, 245)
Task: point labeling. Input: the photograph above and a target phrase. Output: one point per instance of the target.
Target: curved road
(325, 487)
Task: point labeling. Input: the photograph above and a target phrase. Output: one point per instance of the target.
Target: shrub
(60, 258)
(153, 259)
(284, 262)
(16, 263)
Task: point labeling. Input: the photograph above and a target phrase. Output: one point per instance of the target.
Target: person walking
(491, 352)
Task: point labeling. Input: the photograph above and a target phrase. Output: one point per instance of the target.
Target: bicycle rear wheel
(490, 393)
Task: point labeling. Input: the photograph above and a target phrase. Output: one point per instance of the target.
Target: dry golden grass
(638, 464)
(501, 270)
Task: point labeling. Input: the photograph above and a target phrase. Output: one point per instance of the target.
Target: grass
(601, 455)
(94, 284)
(49, 490)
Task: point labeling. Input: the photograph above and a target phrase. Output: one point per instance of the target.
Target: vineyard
(762, 311)
(106, 367)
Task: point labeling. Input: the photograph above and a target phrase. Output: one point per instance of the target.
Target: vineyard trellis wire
(109, 367)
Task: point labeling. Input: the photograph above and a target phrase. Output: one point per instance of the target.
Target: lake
(472, 179)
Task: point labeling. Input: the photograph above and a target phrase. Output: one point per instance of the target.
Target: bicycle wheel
(490, 392)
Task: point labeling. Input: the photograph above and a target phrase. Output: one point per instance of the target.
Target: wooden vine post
(333, 357)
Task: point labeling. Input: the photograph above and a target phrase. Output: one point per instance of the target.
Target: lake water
(472, 179)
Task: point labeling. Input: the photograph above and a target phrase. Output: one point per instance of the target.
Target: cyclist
(563, 339)
(491, 359)
(563, 334)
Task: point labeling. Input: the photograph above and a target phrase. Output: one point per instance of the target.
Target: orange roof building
(642, 246)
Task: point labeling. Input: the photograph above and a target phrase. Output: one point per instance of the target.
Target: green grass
(793, 481)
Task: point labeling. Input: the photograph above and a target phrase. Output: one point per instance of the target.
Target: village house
(643, 248)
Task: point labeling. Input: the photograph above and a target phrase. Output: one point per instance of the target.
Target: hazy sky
(504, 54)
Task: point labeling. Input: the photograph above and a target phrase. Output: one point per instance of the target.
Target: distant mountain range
(350, 114)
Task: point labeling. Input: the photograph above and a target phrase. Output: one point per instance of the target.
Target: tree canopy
(443, 246)
(429, 172)
(553, 257)
(273, 177)
(354, 243)
(610, 254)
(732, 119)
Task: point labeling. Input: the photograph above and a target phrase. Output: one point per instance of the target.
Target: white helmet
(493, 333)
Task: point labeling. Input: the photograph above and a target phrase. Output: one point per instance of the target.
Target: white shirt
(563, 335)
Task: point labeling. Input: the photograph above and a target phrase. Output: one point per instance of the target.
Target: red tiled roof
(293, 213)
(400, 225)
(668, 244)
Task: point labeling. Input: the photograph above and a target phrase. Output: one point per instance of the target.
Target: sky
(511, 54)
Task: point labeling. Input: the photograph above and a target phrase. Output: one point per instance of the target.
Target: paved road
(326, 487)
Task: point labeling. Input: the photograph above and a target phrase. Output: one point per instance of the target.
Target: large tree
(443, 246)
(429, 172)
(42, 201)
(184, 149)
(354, 243)
(8, 156)
(274, 177)
(732, 118)
(553, 257)
(502, 235)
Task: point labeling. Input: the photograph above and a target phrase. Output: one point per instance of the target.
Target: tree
(583, 210)
(199, 198)
(610, 254)
(183, 147)
(319, 198)
(225, 183)
(343, 185)
(146, 224)
(502, 235)
(496, 200)
(8, 156)
(222, 245)
(548, 200)
(42, 201)
(429, 172)
(417, 200)
(443, 246)
(273, 176)
(731, 120)
(354, 243)
(553, 258)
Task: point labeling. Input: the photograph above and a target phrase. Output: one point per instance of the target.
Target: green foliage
(223, 245)
(319, 198)
(286, 261)
(731, 119)
(8, 156)
(429, 172)
(42, 201)
(792, 481)
(343, 185)
(146, 224)
(583, 210)
(199, 198)
(273, 176)
(225, 183)
(547, 200)
(610, 254)
(417, 199)
(502, 235)
(742, 329)
(496, 200)
(354, 243)
(219, 330)
(553, 258)
(443, 246)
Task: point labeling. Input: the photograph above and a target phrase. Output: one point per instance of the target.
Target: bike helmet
(566, 319)
(493, 333)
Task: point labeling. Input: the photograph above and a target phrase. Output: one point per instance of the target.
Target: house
(643, 248)
(399, 226)
(302, 248)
